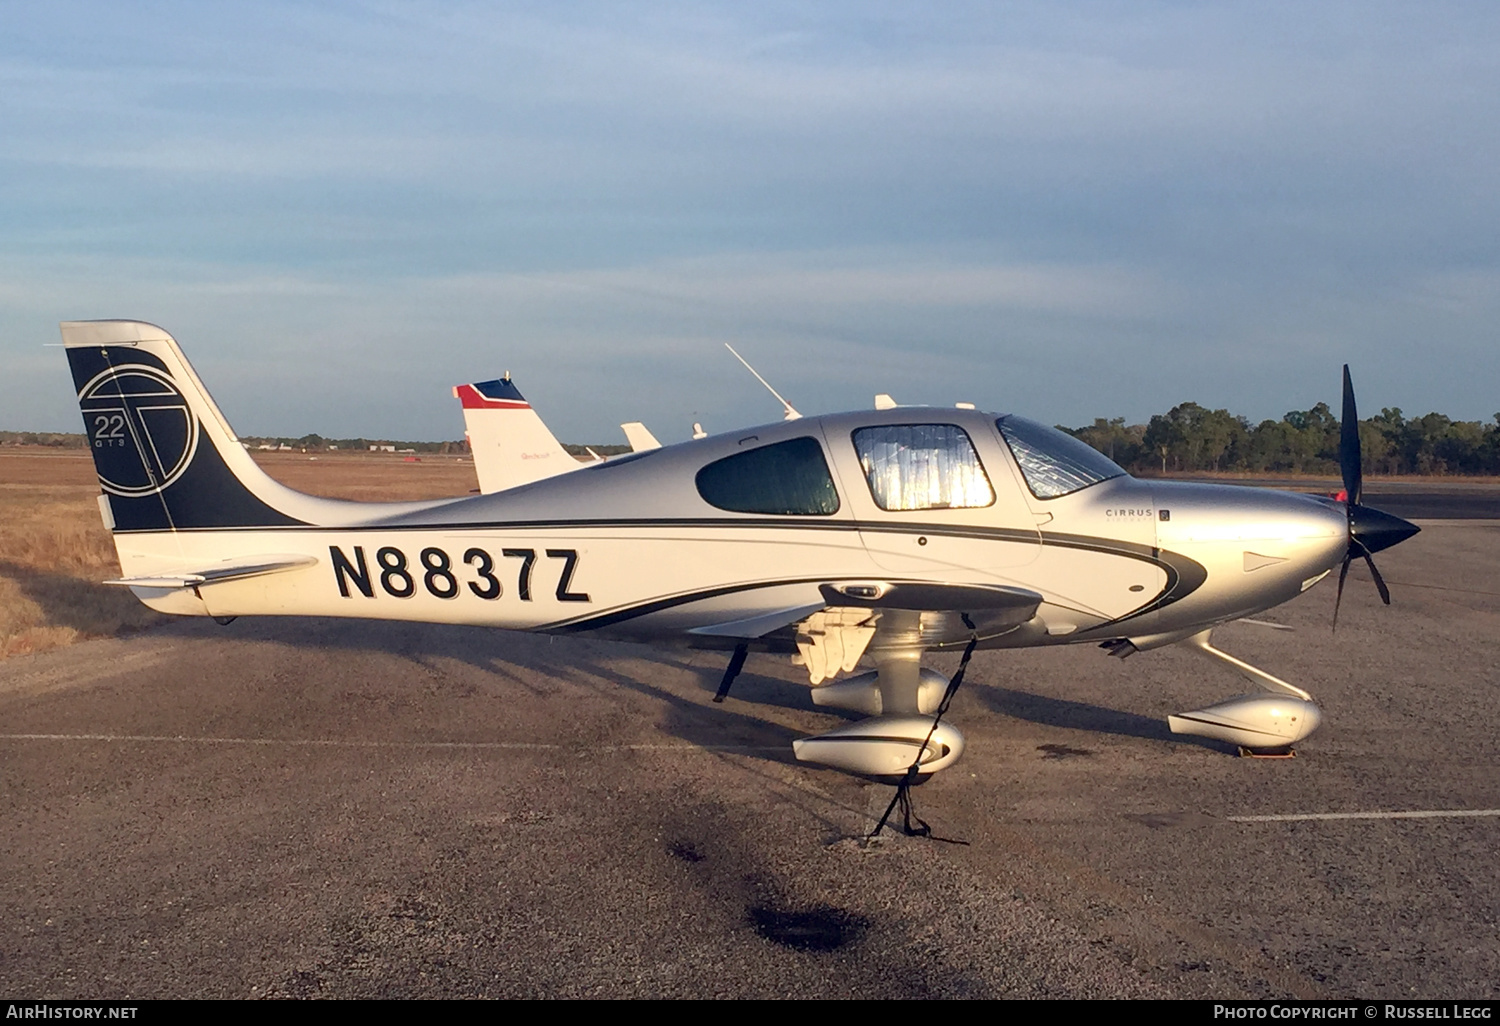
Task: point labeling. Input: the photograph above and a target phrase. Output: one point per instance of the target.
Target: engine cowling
(884, 747)
(1252, 721)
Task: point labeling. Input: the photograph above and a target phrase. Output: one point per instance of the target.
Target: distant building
(382, 448)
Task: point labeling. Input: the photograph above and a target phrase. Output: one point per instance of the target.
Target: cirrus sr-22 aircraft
(875, 536)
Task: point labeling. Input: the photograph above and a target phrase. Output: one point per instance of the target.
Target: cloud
(1096, 209)
(801, 284)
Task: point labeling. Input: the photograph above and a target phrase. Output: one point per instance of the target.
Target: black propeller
(1369, 529)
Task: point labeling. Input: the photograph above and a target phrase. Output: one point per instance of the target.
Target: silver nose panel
(1259, 547)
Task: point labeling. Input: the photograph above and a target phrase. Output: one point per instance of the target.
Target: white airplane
(510, 444)
(878, 536)
(640, 437)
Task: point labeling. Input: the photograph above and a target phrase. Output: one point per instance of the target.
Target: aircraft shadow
(541, 665)
(714, 725)
(514, 656)
(1061, 712)
(91, 608)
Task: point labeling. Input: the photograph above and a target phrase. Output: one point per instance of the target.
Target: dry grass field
(54, 550)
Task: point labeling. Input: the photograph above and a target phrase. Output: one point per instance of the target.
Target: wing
(832, 636)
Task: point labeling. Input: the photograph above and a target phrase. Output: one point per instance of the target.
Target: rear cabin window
(922, 466)
(785, 479)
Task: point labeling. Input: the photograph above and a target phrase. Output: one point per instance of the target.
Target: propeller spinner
(1370, 530)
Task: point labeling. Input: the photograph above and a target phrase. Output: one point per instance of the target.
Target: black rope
(902, 797)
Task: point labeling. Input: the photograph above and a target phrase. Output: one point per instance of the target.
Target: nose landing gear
(1264, 724)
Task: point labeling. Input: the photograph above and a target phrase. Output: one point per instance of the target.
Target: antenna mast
(791, 414)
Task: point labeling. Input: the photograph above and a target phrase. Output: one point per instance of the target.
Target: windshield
(1054, 463)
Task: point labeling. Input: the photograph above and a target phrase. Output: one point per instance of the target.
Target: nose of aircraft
(1376, 530)
(1370, 530)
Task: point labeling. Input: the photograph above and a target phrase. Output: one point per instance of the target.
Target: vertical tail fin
(639, 436)
(167, 459)
(511, 445)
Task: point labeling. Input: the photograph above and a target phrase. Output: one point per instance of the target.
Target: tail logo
(140, 427)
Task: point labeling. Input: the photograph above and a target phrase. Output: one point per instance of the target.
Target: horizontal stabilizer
(228, 571)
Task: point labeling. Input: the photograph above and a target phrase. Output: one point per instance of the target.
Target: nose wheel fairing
(1274, 719)
(1256, 723)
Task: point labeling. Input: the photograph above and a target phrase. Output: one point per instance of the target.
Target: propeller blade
(1350, 458)
(1338, 598)
(1385, 593)
(1369, 529)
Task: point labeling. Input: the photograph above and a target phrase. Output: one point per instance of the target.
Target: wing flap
(758, 626)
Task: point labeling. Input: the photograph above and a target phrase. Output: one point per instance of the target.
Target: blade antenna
(791, 414)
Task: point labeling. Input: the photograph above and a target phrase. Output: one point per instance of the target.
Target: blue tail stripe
(159, 469)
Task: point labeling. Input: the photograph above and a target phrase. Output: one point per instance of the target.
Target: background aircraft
(878, 535)
(511, 445)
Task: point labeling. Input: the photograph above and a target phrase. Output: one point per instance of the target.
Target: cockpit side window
(785, 478)
(922, 466)
(1054, 464)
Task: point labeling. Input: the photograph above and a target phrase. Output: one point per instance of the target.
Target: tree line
(1191, 438)
(1188, 438)
(317, 443)
(310, 443)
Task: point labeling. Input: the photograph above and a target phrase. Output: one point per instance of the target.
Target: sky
(1065, 210)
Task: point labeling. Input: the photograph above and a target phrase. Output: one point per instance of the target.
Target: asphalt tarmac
(325, 808)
